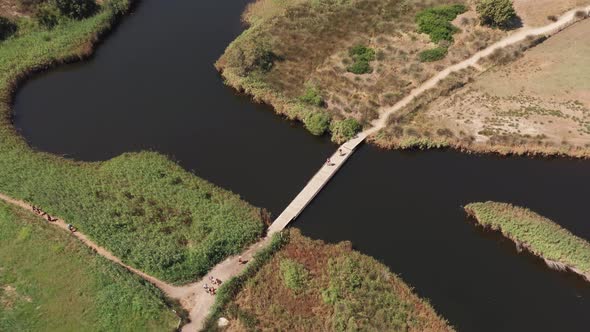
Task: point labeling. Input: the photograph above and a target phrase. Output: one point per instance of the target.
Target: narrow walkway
(315, 185)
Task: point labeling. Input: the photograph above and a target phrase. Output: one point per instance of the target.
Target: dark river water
(152, 85)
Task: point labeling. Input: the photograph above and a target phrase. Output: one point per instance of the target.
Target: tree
(77, 9)
(497, 13)
(317, 122)
(48, 15)
(7, 28)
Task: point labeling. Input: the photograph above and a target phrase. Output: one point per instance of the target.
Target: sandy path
(192, 297)
(563, 22)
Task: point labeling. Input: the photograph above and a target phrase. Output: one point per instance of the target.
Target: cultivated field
(50, 281)
(312, 286)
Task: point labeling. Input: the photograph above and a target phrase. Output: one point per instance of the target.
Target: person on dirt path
(206, 287)
(328, 162)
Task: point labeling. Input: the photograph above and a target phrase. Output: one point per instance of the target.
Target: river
(152, 85)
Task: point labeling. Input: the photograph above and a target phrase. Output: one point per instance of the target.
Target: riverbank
(51, 281)
(143, 207)
(310, 285)
(544, 238)
(318, 90)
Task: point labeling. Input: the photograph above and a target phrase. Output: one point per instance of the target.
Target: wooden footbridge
(315, 185)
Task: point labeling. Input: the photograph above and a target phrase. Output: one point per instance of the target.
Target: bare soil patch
(536, 12)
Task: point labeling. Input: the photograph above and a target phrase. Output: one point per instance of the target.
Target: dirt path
(563, 22)
(192, 297)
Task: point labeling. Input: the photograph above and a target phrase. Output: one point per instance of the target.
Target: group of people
(342, 154)
(43, 214)
(210, 289)
(49, 218)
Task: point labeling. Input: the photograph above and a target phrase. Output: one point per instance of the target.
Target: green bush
(48, 15)
(344, 130)
(436, 21)
(7, 28)
(496, 13)
(317, 122)
(312, 96)
(361, 56)
(294, 274)
(435, 54)
(77, 9)
(118, 7)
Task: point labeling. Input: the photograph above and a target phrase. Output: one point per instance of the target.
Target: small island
(544, 238)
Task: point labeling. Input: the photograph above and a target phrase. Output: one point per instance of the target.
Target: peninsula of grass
(544, 238)
(142, 207)
(50, 281)
(308, 285)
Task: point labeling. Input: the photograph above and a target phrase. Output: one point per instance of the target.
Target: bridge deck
(317, 182)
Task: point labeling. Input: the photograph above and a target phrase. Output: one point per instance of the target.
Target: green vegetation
(294, 274)
(346, 291)
(435, 54)
(317, 122)
(230, 289)
(48, 15)
(361, 57)
(50, 281)
(343, 130)
(7, 28)
(312, 96)
(498, 13)
(436, 21)
(540, 235)
(142, 207)
(77, 9)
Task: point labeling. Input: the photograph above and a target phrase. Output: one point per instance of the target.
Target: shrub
(361, 56)
(317, 122)
(497, 13)
(48, 15)
(312, 96)
(436, 21)
(344, 130)
(118, 7)
(7, 28)
(435, 54)
(294, 274)
(77, 9)
(28, 4)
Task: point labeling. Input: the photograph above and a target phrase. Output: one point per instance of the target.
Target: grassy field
(291, 46)
(49, 281)
(537, 234)
(143, 207)
(312, 286)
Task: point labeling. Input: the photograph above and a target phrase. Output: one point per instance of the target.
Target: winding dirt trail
(192, 297)
(563, 22)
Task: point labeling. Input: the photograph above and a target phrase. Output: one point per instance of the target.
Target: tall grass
(343, 291)
(538, 234)
(50, 281)
(144, 208)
